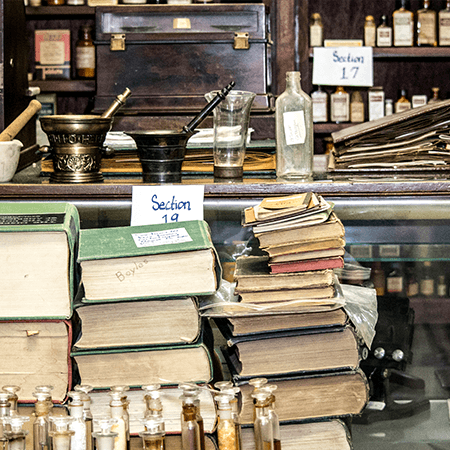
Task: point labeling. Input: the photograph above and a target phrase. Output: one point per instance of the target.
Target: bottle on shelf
(418, 100)
(12, 390)
(121, 391)
(441, 286)
(262, 425)
(435, 98)
(190, 430)
(426, 283)
(273, 416)
(340, 105)
(78, 424)
(87, 413)
(75, 2)
(226, 427)
(120, 426)
(402, 104)
(294, 131)
(315, 30)
(85, 53)
(104, 438)
(412, 283)
(55, 2)
(370, 31)
(388, 107)
(403, 25)
(41, 424)
(356, 107)
(426, 26)
(378, 277)
(61, 433)
(319, 100)
(384, 33)
(444, 25)
(376, 102)
(395, 280)
(5, 408)
(191, 396)
(15, 434)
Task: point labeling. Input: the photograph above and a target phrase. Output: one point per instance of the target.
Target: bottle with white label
(384, 33)
(356, 107)
(388, 107)
(426, 26)
(315, 31)
(320, 105)
(402, 104)
(294, 131)
(444, 25)
(376, 102)
(403, 26)
(370, 31)
(340, 105)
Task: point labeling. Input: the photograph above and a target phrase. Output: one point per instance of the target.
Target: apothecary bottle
(85, 53)
(41, 424)
(370, 31)
(384, 33)
(120, 426)
(340, 105)
(376, 102)
(294, 131)
(153, 437)
(78, 425)
(402, 104)
(319, 99)
(105, 437)
(87, 413)
(121, 390)
(5, 408)
(426, 26)
(12, 390)
(61, 433)
(435, 98)
(403, 26)
(315, 30)
(444, 25)
(226, 428)
(356, 107)
(15, 433)
(262, 424)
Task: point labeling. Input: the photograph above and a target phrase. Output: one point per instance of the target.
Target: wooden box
(171, 55)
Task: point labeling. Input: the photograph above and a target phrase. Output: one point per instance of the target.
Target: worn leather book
(304, 247)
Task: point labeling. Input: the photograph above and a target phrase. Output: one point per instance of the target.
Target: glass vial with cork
(85, 53)
(426, 26)
(340, 105)
(403, 26)
(294, 131)
(444, 25)
(384, 33)
(370, 31)
(262, 424)
(315, 30)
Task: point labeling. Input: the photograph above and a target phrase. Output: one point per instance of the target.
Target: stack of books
(38, 280)
(289, 324)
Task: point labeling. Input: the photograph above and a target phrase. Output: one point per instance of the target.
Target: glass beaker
(231, 118)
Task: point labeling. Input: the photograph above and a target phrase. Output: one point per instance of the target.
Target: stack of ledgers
(290, 325)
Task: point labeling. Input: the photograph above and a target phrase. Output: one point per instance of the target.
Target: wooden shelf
(406, 52)
(326, 128)
(82, 86)
(64, 10)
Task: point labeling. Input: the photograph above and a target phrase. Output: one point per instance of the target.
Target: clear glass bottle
(153, 437)
(190, 430)
(315, 31)
(85, 53)
(294, 131)
(426, 26)
(319, 100)
(120, 427)
(435, 98)
(375, 97)
(87, 413)
(78, 425)
(444, 25)
(15, 434)
(388, 107)
(226, 427)
(340, 105)
(105, 437)
(5, 408)
(384, 33)
(122, 390)
(60, 433)
(227, 388)
(12, 390)
(356, 107)
(403, 26)
(41, 424)
(273, 416)
(402, 104)
(191, 395)
(370, 31)
(262, 424)
(152, 399)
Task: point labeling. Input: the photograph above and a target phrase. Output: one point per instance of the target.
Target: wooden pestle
(11, 131)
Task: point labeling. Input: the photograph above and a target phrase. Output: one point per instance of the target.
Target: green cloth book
(149, 261)
(38, 265)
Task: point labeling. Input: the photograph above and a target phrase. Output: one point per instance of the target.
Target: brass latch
(241, 41)
(117, 42)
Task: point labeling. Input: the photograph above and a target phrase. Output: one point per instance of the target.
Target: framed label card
(343, 66)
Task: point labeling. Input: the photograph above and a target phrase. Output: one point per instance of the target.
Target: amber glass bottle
(85, 53)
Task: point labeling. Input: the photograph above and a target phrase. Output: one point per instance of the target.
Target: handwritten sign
(164, 204)
(343, 66)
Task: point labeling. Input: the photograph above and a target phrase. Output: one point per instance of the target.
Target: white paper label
(168, 203)
(294, 127)
(163, 237)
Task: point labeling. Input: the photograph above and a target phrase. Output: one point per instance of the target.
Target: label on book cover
(163, 237)
(164, 204)
(31, 219)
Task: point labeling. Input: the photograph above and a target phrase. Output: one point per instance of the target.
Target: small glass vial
(376, 102)
(226, 427)
(190, 431)
(315, 31)
(402, 104)
(395, 281)
(15, 435)
(426, 284)
(78, 425)
(87, 413)
(153, 437)
(262, 424)
(12, 390)
(444, 25)
(85, 53)
(152, 399)
(294, 131)
(227, 388)
(105, 437)
(319, 105)
(388, 107)
(122, 389)
(273, 416)
(370, 31)
(435, 98)
(403, 26)
(120, 426)
(60, 433)
(426, 26)
(41, 425)
(340, 105)
(191, 395)
(5, 408)
(356, 107)
(384, 33)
